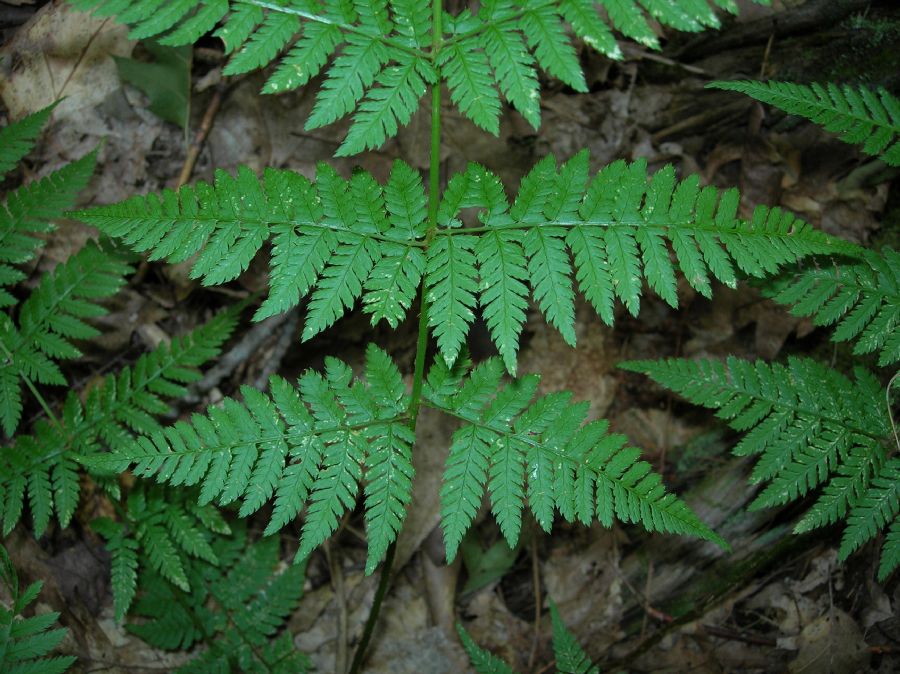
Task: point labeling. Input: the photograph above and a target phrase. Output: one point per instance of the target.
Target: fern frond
(861, 299)
(540, 23)
(307, 447)
(570, 657)
(345, 240)
(810, 425)
(468, 75)
(43, 467)
(857, 114)
(50, 318)
(26, 642)
(508, 440)
(235, 609)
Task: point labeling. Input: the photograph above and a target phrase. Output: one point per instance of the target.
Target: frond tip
(540, 453)
(856, 113)
(861, 299)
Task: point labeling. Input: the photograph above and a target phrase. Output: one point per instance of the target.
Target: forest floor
(636, 602)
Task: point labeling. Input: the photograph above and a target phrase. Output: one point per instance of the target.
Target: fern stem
(434, 189)
(434, 193)
(383, 582)
(31, 387)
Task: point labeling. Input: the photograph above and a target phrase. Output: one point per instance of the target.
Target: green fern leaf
(468, 75)
(586, 23)
(264, 45)
(862, 301)
(192, 28)
(483, 661)
(859, 115)
(305, 59)
(31, 209)
(810, 425)
(389, 105)
(114, 408)
(512, 63)
(504, 435)
(25, 642)
(450, 279)
(18, 139)
(123, 551)
(310, 448)
(875, 509)
(235, 609)
(352, 72)
(570, 657)
(51, 317)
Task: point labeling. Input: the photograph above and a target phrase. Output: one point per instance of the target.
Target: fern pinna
(234, 609)
(385, 54)
(42, 468)
(859, 115)
(860, 298)
(811, 427)
(25, 642)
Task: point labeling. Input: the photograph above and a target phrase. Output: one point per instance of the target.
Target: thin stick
(200, 137)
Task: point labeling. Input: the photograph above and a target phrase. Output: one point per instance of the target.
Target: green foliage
(160, 531)
(306, 447)
(44, 465)
(340, 240)
(570, 658)
(49, 319)
(568, 654)
(812, 428)
(859, 115)
(234, 608)
(861, 299)
(541, 452)
(25, 642)
(30, 209)
(386, 56)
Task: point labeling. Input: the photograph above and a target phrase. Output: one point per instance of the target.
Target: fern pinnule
(541, 452)
(860, 299)
(26, 642)
(856, 113)
(569, 657)
(32, 208)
